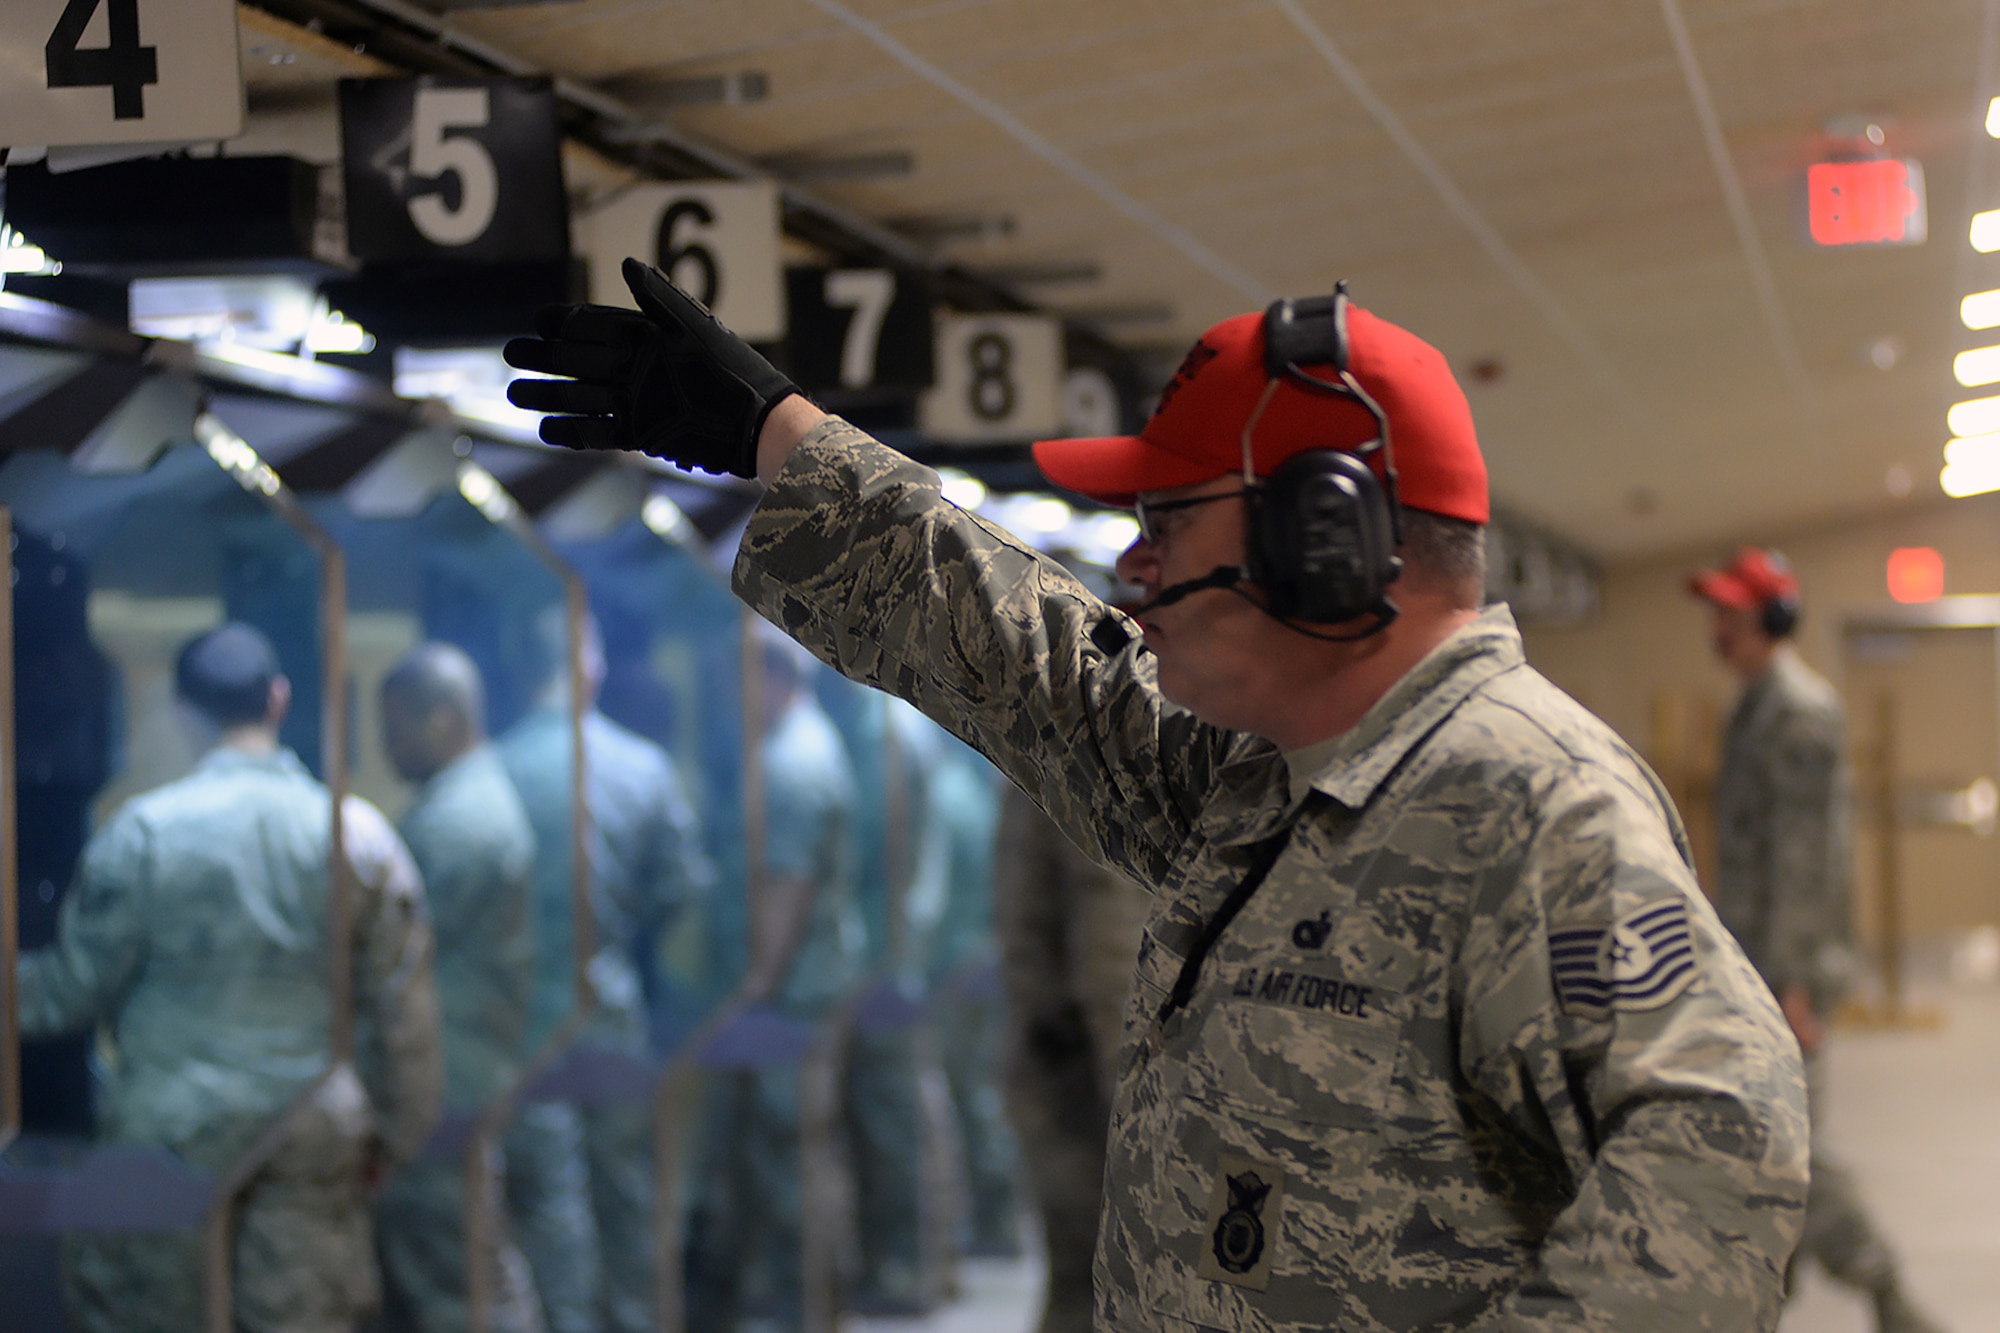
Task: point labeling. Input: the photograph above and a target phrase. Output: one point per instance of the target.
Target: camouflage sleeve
(1807, 906)
(855, 553)
(100, 941)
(1612, 1020)
(399, 1043)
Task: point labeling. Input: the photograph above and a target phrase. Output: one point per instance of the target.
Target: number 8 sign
(118, 72)
(999, 379)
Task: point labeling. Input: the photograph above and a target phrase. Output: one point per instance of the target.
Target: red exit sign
(1875, 202)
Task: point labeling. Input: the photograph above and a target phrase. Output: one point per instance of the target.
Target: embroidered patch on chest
(1245, 1211)
(1642, 961)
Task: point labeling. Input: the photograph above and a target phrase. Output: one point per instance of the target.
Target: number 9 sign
(999, 379)
(118, 72)
(464, 169)
(718, 241)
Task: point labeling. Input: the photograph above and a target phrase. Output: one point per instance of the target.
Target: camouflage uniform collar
(1427, 694)
(226, 757)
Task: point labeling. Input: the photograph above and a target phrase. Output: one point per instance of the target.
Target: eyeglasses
(1148, 512)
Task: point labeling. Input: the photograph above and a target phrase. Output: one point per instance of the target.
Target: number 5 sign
(118, 72)
(452, 170)
(717, 239)
(999, 379)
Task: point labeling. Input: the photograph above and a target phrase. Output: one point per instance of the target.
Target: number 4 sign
(118, 72)
(999, 379)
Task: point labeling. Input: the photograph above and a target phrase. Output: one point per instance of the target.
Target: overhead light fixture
(1976, 416)
(1981, 310)
(1127, 312)
(1979, 366)
(1971, 466)
(961, 488)
(806, 168)
(936, 230)
(1986, 231)
(471, 381)
(666, 520)
(484, 492)
(1048, 271)
(20, 256)
(750, 85)
(1993, 117)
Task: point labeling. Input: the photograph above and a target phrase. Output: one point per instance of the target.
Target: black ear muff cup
(1322, 539)
(1780, 616)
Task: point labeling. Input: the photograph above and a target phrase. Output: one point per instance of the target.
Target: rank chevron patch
(1641, 961)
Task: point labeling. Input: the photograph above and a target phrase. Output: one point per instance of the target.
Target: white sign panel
(717, 239)
(999, 378)
(118, 72)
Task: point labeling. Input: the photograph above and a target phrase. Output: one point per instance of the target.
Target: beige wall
(1644, 664)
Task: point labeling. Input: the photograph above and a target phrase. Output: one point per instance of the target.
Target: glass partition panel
(186, 984)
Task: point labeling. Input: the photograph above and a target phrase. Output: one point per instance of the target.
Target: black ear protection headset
(1779, 615)
(1323, 530)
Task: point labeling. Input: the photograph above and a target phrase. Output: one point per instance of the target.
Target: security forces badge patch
(1641, 961)
(1245, 1203)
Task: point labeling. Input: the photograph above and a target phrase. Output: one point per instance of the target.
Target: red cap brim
(1114, 469)
(1723, 588)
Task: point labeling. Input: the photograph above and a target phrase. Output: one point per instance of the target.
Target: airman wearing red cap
(1784, 869)
(1430, 1025)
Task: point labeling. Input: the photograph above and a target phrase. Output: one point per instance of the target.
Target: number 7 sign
(118, 72)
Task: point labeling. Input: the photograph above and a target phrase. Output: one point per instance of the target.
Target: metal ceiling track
(421, 42)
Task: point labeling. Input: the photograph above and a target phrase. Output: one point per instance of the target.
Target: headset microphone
(1222, 576)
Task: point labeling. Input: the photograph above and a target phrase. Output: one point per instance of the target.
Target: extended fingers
(576, 397)
(581, 432)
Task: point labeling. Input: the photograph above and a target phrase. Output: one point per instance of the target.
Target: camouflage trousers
(904, 1149)
(746, 1230)
(1839, 1234)
(420, 1233)
(972, 1035)
(580, 1197)
(303, 1263)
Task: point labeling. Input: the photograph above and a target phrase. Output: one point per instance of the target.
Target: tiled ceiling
(1527, 183)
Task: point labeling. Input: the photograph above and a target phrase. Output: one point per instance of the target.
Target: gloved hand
(665, 379)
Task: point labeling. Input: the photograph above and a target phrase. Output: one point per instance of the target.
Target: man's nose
(1139, 565)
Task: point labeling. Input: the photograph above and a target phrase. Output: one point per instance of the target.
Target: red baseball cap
(1196, 432)
(1755, 577)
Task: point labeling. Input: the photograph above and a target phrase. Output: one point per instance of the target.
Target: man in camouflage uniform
(1783, 874)
(1069, 931)
(471, 840)
(580, 1184)
(197, 933)
(1431, 1027)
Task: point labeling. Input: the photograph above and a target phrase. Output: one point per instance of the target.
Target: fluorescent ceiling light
(963, 490)
(1971, 466)
(1981, 310)
(1986, 231)
(1978, 366)
(1993, 117)
(1977, 416)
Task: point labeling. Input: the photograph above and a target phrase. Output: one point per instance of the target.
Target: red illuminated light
(1876, 202)
(1916, 574)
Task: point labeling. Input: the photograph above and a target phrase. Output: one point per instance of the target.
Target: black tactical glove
(665, 379)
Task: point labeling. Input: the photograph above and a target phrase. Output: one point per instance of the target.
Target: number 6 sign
(999, 380)
(467, 169)
(118, 72)
(717, 239)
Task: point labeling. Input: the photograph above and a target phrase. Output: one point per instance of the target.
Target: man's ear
(280, 701)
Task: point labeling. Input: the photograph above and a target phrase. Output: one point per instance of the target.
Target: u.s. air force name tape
(1639, 962)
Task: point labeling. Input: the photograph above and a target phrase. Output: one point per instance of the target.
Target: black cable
(1212, 929)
